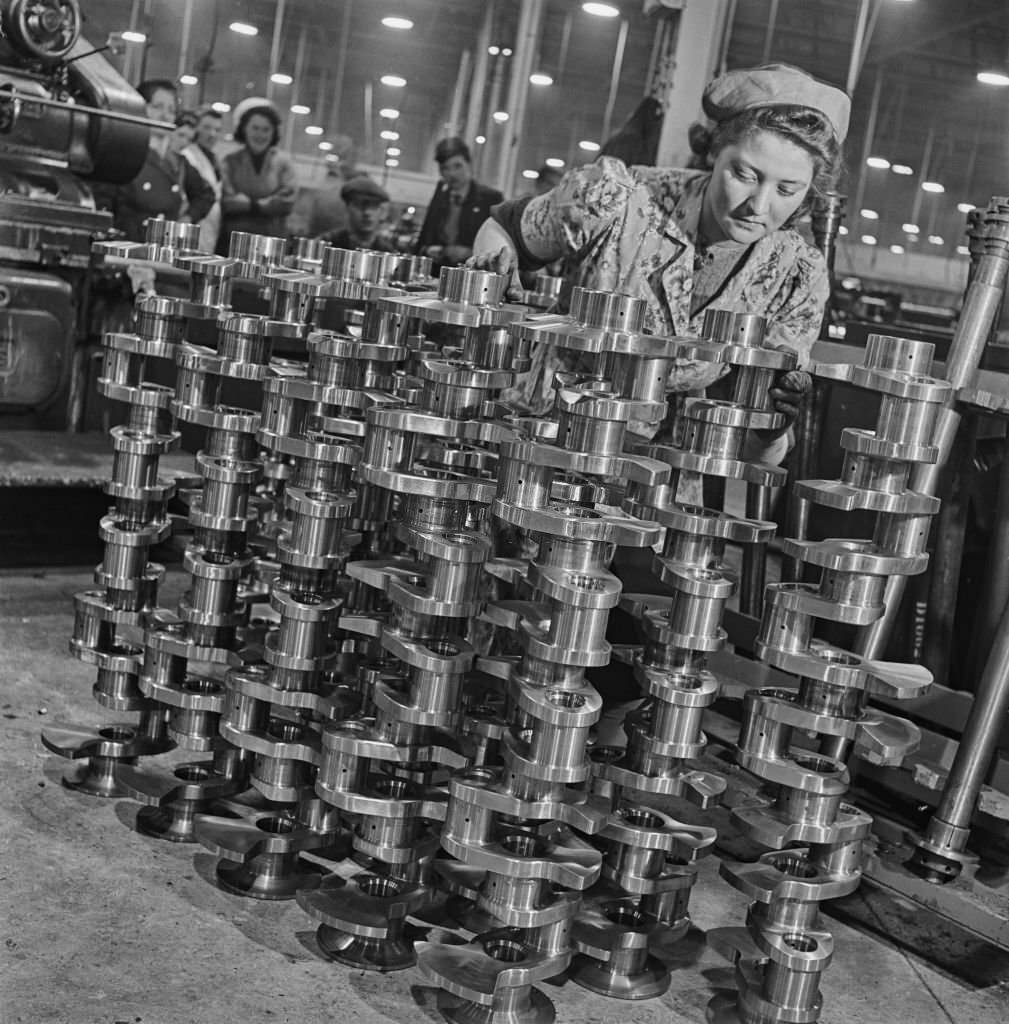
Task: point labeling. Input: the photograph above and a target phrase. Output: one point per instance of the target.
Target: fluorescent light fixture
(389, 136)
(243, 28)
(493, 50)
(500, 116)
(993, 78)
(933, 187)
(188, 80)
(395, 81)
(935, 240)
(300, 108)
(391, 113)
(601, 10)
(879, 162)
(589, 147)
(221, 108)
(392, 162)
(480, 140)
(910, 229)
(531, 174)
(314, 129)
(901, 169)
(133, 37)
(897, 250)
(538, 78)
(842, 230)
(554, 161)
(393, 22)
(962, 250)
(325, 146)
(393, 151)
(281, 79)
(965, 207)
(870, 214)
(506, 52)
(869, 239)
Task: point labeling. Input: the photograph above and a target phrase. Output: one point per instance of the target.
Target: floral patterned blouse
(633, 230)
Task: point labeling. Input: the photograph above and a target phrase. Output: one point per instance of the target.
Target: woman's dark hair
(806, 128)
(269, 113)
(150, 86)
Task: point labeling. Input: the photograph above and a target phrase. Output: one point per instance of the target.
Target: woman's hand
(500, 261)
(789, 393)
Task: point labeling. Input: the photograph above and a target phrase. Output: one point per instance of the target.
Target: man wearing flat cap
(366, 208)
(458, 208)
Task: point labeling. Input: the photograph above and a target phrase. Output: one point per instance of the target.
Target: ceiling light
(601, 10)
(869, 239)
(901, 169)
(554, 161)
(993, 78)
(897, 250)
(842, 230)
(394, 22)
(589, 147)
(527, 173)
(325, 146)
(506, 52)
(393, 151)
(314, 129)
(538, 78)
(188, 80)
(932, 186)
(389, 112)
(391, 162)
(133, 37)
(965, 207)
(493, 50)
(243, 28)
(396, 81)
(870, 214)
(879, 162)
(221, 108)
(962, 250)
(389, 136)
(910, 229)
(279, 78)
(935, 239)
(300, 108)
(500, 116)
(480, 140)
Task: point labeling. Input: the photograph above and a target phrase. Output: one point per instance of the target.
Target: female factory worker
(691, 240)
(258, 183)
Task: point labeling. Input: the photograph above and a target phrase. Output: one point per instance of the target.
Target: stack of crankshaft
(796, 741)
(398, 583)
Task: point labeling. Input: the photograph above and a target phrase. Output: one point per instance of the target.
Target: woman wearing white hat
(258, 181)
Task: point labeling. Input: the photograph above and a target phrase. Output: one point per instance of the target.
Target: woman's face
(181, 137)
(207, 131)
(757, 183)
(162, 106)
(258, 133)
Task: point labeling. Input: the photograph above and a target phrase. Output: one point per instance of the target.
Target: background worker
(459, 206)
(367, 204)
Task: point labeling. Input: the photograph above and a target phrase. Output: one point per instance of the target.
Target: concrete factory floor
(101, 925)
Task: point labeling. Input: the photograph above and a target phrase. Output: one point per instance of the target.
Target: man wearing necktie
(458, 208)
